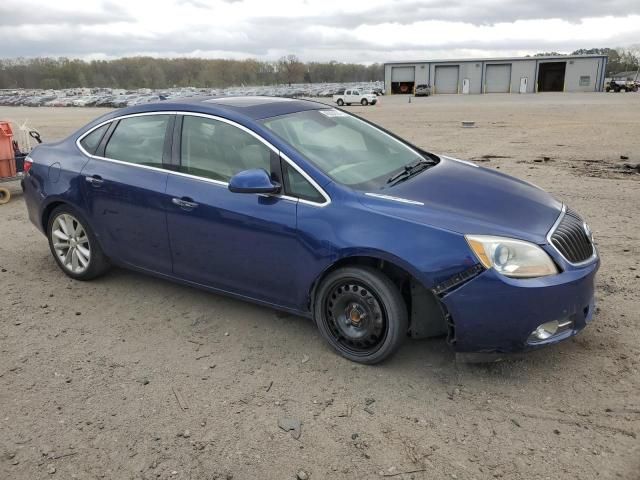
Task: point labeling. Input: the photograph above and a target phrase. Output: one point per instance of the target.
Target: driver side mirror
(255, 180)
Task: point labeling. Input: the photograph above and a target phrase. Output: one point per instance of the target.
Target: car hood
(460, 196)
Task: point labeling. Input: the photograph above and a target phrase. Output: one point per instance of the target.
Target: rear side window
(214, 149)
(139, 140)
(297, 186)
(90, 142)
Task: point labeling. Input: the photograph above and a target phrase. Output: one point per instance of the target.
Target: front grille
(571, 239)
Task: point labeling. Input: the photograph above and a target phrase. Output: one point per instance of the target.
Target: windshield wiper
(410, 170)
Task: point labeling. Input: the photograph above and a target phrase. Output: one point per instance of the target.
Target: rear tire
(73, 244)
(364, 102)
(340, 102)
(361, 313)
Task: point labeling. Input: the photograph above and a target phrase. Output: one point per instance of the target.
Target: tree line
(148, 72)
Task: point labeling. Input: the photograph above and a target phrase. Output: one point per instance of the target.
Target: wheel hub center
(356, 315)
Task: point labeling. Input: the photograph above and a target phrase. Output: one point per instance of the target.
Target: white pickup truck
(355, 96)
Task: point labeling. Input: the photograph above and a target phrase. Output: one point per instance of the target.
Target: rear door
(124, 184)
(241, 243)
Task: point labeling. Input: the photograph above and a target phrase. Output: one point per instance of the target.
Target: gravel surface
(133, 377)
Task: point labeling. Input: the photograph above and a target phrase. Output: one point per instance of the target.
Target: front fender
(330, 235)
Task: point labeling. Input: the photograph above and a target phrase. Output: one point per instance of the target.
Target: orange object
(7, 155)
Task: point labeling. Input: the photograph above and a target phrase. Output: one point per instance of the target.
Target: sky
(315, 30)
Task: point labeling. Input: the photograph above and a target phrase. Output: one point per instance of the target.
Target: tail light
(28, 163)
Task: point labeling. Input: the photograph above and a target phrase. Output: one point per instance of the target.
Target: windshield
(348, 150)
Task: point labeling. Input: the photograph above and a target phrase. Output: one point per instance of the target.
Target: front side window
(348, 150)
(90, 142)
(214, 149)
(139, 140)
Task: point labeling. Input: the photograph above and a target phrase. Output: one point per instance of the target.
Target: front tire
(364, 102)
(74, 245)
(361, 313)
(340, 102)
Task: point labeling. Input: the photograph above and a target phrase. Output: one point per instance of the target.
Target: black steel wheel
(361, 314)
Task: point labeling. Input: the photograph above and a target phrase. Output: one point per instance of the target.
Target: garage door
(497, 78)
(447, 79)
(403, 74)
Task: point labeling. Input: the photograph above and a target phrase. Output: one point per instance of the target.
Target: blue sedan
(312, 210)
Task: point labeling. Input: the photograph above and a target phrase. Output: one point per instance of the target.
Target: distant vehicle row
(118, 98)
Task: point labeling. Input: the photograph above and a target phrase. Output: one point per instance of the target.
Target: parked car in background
(621, 86)
(355, 96)
(374, 91)
(305, 208)
(423, 90)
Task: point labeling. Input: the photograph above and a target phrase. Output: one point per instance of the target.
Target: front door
(246, 244)
(465, 86)
(124, 189)
(523, 84)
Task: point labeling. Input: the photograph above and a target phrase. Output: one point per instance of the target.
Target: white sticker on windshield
(333, 113)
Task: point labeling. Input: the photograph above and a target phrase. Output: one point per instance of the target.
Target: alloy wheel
(71, 243)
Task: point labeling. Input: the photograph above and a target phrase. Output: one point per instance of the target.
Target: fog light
(545, 331)
(550, 329)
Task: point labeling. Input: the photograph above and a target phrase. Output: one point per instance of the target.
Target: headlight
(510, 257)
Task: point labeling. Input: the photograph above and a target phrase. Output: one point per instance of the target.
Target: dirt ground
(134, 377)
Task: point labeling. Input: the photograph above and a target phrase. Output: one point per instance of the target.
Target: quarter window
(297, 186)
(214, 149)
(139, 140)
(90, 142)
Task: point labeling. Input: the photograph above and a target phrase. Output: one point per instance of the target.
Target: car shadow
(416, 359)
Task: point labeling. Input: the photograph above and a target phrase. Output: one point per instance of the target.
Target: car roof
(249, 107)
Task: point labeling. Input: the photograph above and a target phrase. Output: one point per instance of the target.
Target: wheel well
(47, 213)
(426, 313)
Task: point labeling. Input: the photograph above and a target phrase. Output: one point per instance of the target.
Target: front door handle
(185, 203)
(95, 180)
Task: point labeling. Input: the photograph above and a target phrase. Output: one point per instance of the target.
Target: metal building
(571, 73)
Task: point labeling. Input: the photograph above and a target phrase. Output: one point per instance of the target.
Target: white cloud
(357, 30)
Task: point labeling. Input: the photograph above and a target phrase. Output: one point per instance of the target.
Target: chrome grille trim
(569, 238)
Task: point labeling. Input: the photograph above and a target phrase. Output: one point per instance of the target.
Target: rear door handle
(95, 180)
(185, 203)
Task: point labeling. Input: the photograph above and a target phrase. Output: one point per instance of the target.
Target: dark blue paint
(273, 250)
(127, 211)
(235, 242)
(506, 311)
(252, 181)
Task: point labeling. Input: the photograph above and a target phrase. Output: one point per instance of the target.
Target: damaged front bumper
(492, 313)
